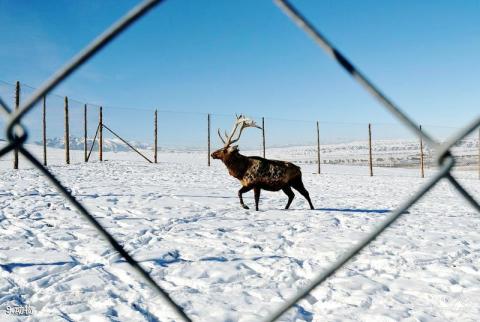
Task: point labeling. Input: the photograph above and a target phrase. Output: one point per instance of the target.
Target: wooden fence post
(422, 171)
(155, 134)
(479, 153)
(85, 142)
(370, 161)
(100, 136)
(318, 147)
(67, 133)
(208, 138)
(263, 135)
(44, 127)
(17, 105)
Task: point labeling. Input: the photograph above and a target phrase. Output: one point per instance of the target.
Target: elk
(258, 173)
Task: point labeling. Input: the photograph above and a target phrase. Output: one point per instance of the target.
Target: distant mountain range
(114, 145)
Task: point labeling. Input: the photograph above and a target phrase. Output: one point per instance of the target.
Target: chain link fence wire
(337, 141)
(17, 137)
(444, 157)
(54, 125)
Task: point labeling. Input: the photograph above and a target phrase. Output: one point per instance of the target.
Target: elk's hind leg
(256, 192)
(240, 192)
(298, 185)
(288, 191)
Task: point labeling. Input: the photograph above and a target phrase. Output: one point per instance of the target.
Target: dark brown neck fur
(237, 164)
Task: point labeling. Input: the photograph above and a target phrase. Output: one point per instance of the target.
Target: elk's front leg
(240, 192)
(256, 192)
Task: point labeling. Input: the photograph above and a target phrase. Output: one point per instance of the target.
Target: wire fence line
(443, 153)
(333, 147)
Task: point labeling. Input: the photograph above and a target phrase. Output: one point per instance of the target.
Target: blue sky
(231, 56)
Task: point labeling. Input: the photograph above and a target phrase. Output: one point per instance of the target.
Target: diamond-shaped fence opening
(19, 135)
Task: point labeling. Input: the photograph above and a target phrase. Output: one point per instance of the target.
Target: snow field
(183, 222)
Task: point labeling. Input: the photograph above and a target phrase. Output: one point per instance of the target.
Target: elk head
(240, 124)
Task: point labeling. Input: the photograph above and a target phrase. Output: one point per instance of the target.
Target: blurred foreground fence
(17, 123)
(69, 125)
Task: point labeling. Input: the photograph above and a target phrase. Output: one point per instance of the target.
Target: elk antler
(241, 121)
(220, 136)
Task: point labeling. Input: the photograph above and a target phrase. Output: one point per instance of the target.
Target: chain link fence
(24, 127)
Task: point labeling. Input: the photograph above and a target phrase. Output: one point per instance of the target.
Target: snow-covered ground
(182, 221)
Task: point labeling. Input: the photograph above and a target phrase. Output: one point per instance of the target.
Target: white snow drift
(182, 221)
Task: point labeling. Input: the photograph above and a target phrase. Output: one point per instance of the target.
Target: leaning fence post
(85, 143)
(67, 133)
(318, 147)
(422, 171)
(100, 136)
(370, 161)
(155, 133)
(208, 138)
(17, 105)
(44, 128)
(263, 135)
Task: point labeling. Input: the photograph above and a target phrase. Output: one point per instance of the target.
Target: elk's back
(269, 174)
